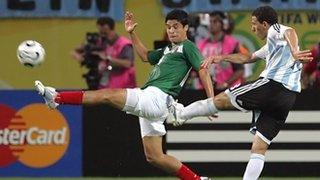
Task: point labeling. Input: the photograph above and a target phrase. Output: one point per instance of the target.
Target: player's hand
(129, 22)
(101, 54)
(77, 56)
(102, 66)
(212, 59)
(302, 56)
(213, 117)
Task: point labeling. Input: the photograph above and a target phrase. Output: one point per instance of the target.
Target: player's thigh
(269, 124)
(250, 96)
(150, 103)
(152, 127)
(271, 119)
(259, 146)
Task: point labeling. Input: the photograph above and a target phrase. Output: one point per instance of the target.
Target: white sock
(254, 167)
(199, 108)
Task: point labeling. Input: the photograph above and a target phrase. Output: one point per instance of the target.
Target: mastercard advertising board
(37, 141)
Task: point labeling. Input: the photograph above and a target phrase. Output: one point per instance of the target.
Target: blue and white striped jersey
(280, 64)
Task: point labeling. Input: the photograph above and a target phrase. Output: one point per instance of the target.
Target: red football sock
(185, 173)
(69, 97)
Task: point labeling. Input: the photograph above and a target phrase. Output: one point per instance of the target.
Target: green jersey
(172, 65)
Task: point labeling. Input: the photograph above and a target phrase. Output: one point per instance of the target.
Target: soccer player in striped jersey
(270, 97)
(172, 65)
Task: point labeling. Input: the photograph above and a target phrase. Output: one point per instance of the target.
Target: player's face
(215, 24)
(260, 29)
(103, 30)
(176, 31)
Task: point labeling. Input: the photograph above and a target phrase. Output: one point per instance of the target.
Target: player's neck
(177, 43)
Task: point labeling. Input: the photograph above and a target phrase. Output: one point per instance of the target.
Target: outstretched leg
(155, 156)
(206, 107)
(125, 100)
(113, 97)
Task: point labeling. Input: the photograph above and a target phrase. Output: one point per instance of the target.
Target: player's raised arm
(130, 25)
(292, 39)
(206, 81)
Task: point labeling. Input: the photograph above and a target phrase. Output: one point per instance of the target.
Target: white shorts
(151, 105)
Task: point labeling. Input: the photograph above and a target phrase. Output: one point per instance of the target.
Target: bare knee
(259, 146)
(153, 149)
(113, 97)
(222, 101)
(153, 158)
(105, 95)
(258, 150)
(97, 96)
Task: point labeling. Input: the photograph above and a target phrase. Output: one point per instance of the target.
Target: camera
(94, 42)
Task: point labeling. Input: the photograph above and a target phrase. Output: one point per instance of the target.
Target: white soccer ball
(30, 53)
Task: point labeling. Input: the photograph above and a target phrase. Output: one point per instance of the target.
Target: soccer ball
(30, 53)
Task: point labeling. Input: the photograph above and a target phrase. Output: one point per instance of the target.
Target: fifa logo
(34, 136)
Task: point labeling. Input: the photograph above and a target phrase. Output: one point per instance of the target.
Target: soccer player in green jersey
(172, 65)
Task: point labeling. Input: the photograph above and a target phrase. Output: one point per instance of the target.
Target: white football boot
(174, 114)
(48, 94)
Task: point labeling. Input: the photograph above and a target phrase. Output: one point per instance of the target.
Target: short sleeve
(193, 55)
(155, 55)
(279, 31)
(283, 30)
(127, 53)
(261, 53)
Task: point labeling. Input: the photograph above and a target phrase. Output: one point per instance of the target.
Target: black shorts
(270, 102)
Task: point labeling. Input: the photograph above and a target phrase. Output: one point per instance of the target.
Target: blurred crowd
(213, 35)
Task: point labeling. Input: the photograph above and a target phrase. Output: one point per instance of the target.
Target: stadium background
(60, 36)
(105, 142)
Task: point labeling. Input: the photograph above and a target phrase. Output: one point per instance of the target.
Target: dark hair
(223, 19)
(218, 13)
(179, 15)
(106, 21)
(266, 13)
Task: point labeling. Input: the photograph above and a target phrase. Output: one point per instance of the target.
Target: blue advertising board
(37, 141)
(61, 8)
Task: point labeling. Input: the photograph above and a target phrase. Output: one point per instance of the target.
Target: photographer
(108, 56)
